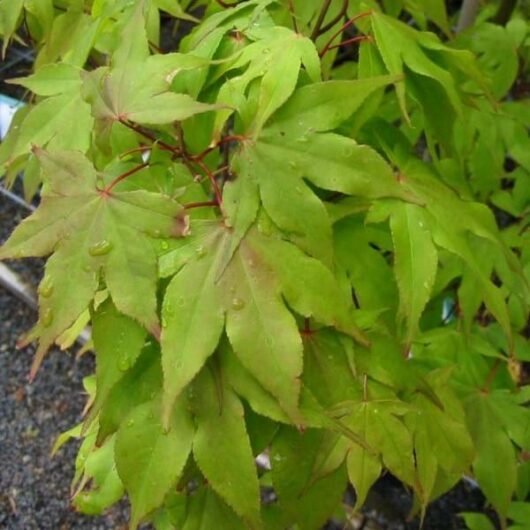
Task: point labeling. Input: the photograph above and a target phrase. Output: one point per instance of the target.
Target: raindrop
(100, 248)
(200, 251)
(130, 423)
(164, 245)
(46, 287)
(124, 363)
(47, 317)
(164, 322)
(238, 303)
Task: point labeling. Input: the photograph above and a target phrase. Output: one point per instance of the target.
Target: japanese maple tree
(289, 236)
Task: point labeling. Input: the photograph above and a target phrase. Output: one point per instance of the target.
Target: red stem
(359, 38)
(225, 139)
(203, 204)
(342, 29)
(151, 137)
(123, 176)
(211, 176)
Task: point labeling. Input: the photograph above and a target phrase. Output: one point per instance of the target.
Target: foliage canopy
(301, 234)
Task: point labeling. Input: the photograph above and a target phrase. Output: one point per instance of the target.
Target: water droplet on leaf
(124, 363)
(47, 317)
(100, 248)
(238, 303)
(200, 251)
(46, 287)
(164, 245)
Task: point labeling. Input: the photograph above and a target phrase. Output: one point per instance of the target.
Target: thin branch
(123, 176)
(151, 137)
(211, 176)
(293, 15)
(359, 38)
(337, 19)
(223, 140)
(320, 19)
(203, 204)
(344, 27)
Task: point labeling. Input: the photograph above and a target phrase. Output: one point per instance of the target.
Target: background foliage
(302, 234)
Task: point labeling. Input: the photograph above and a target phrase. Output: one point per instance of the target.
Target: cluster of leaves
(302, 244)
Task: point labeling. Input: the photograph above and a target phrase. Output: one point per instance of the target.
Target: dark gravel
(34, 488)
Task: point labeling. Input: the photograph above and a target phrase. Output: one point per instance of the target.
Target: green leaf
(91, 231)
(279, 164)
(144, 449)
(388, 435)
(137, 86)
(415, 263)
(275, 57)
(221, 446)
(477, 521)
(207, 510)
(192, 324)
(118, 341)
(301, 501)
(401, 46)
(261, 330)
(51, 80)
(49, 123)
(137, 386)
(320, 107)
(10, 11)
(495, 463)
(363, 470)
(97, 468)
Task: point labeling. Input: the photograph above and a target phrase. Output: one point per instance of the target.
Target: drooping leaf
(221, 446)
(118, 341)
(150, 458)
(495, 464)
(415, 263)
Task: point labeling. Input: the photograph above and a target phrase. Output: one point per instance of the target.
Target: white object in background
(8, 107)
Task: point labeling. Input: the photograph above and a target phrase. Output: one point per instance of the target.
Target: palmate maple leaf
(248, 289)
(92, 232)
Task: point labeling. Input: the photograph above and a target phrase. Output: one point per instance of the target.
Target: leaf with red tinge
(91, 231)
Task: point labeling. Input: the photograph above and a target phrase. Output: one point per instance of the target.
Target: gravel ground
(34, 488)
